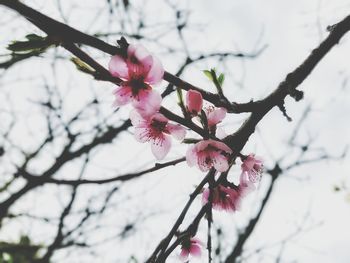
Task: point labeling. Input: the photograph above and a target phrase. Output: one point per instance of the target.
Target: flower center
(158, 125)
(134, 60)
(136, 85)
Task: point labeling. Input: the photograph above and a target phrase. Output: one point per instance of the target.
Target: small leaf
(190, 140)
(221, 79)
(179, 95)
(33, 43)
(34, 37)
(208, 74)
(82, 66)
(336, 188)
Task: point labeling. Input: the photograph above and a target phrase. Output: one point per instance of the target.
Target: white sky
(303, 198)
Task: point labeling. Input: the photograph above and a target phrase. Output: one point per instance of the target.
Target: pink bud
(194, 101)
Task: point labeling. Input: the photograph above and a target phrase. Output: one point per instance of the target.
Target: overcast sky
(303, 198)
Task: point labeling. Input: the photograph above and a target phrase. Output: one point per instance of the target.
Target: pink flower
(138, 71)
(209, 153)
(215, 116)
(223, 198)
(245, 186)
(156, 129)
(252, 167)
(190, 246)
(194, 102)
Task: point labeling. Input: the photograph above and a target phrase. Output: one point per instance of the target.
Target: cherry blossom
(252, 167)
(214, 116)
(194, 102)
(138, 70)
(157, 130)
(223, 198)
(207, 154)
(190, 246)
(245, 186)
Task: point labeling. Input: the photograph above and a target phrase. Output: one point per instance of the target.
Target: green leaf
(133, 259)
(35, 37)
(336, 188)
(82, 66)
(208, 74)
(190, 140)
(221, 79)
(24, 240)
(34, 43)
(179, 95)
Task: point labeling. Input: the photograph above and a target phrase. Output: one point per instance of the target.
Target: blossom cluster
(139, 70)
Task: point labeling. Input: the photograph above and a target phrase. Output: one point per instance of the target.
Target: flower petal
(123, 95)
(216, 116)
(195, 250)
(139, 51)
(160, 117)
(139, 61)
(142, 134)
(220, 162)
(205, 196)
(184, 254)
(177, 131)
(191, 155)
(136, 119)
(156, 71)
(147, 102)
(118, 67)
(204, 163)
(203, 144)
(161, 146)
(220, 145)
(245, 186)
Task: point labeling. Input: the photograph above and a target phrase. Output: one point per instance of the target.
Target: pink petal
(156, 72)
(248, 163)
(139, 61)
(131, 50)
(118, 67)
(195, 250)
(177, 131)
(194, 101)
(245, 186)
(202, 161)
(161, 146)
(136, 119)
(220, 145)
(123, 95)
(146, 65)
(200, 146)
(234, 197)
(216, 116)
(197, 241)
(142, 134)
(191, 155)
(184, 254)
(147, 102)
(220, 162)
(139, 51)
(205, 195)
(160, 117)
